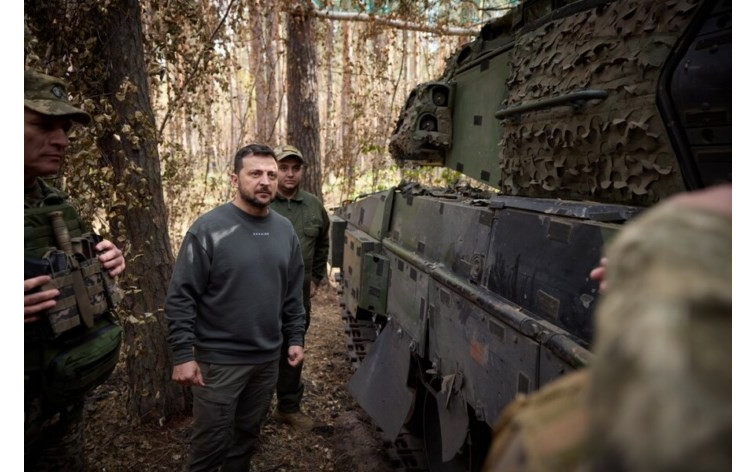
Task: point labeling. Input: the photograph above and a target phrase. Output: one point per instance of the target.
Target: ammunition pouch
(87, 291)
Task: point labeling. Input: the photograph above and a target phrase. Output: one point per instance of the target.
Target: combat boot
(297, 420)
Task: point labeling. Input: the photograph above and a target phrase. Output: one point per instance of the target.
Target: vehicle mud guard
(380, 383)
(452, 416)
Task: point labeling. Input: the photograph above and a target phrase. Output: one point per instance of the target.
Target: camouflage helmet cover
(47, 95)
(288, 150)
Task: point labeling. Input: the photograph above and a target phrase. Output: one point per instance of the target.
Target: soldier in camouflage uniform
(53, 434)
(658, 396)
(310, 221)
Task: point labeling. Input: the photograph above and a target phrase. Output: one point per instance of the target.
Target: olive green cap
(288, 150)
(47, 95)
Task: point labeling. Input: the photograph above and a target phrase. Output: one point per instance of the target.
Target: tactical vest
(75, 345)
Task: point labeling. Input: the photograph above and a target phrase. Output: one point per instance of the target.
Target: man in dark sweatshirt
(236, 291)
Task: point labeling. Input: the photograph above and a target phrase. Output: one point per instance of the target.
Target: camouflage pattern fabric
(658, 396)
(661, 386)
(545, 431)
(54, 439)
(47, 95)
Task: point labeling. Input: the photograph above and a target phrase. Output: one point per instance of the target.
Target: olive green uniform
(74, 346)
(53, 434)
(658, 396)
(311, 223)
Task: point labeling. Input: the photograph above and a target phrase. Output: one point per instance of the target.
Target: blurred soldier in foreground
(71, 339)
(310, 221)
(658, 396)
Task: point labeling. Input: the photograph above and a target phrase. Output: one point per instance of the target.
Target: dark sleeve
(293, 312)
(320, 257)
(190, 275)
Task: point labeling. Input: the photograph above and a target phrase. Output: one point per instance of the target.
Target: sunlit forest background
(176, 87)
(217, 76)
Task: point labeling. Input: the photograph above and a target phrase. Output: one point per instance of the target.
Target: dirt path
(343, 439)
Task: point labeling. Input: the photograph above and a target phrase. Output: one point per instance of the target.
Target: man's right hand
(598, 274)
(188, 373)
(40, 301)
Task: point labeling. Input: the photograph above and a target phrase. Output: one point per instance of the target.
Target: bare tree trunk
(412, 79)
(272, 103)
(152, 395)
(258, 66)
(302, 117)
(330, 144)
(263, 64)
(346, 114)
(233, 91)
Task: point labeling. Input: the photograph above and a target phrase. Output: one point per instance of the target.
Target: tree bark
(347, 130)
(112, 77)
(256, 68)
(142, 222)
(272, 104)
(302, 117)
(330, 141)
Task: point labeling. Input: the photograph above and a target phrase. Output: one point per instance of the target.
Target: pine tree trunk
(152, 395)
(330, 140)
(302, 117)
(272, 104)
(256, 68)
(347, 138)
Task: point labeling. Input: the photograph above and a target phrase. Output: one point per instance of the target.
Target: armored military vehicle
(581, 114)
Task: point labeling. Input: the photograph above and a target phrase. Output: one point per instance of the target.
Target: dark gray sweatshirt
(236, 284)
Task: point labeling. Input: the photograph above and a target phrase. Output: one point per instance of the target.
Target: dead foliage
(343, 438)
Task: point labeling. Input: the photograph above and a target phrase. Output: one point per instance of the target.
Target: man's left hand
(296, 355)
(111, 257)
(313, 289)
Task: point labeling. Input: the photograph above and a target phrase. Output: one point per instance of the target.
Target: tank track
(406, 452)
(360, 337)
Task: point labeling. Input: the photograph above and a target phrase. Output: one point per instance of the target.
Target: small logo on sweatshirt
(258, 233)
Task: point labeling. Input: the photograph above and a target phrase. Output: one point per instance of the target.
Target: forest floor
(343, 438)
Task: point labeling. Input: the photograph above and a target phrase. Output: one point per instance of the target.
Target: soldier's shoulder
(43, 193)
(49, 189)
(279, 218)
(310, 198)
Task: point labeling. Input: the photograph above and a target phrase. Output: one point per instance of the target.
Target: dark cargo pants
(53, 437)
(289, 388)
(228, 412)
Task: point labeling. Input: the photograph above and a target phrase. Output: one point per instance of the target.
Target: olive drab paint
(457, 301)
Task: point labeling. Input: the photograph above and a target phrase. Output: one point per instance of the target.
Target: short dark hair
(253, 149)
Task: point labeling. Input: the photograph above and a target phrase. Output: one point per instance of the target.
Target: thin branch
(399, 24)
(195, 68)
(278, 116)
(396, 86)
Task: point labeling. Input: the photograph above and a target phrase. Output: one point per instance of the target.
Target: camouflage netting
(615, 150)
(424, 145)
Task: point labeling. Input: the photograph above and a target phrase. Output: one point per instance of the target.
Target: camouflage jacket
(311, 223)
